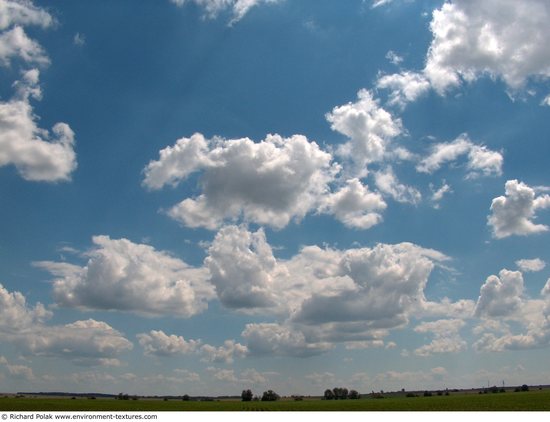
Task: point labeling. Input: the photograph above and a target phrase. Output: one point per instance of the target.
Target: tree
(186, 397)
(340, 393)
(353, 395)
(270, 395)
(246, 395)
(329, 395)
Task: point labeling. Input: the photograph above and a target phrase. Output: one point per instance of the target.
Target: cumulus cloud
(37, 154)
(500, 296)
(124, 276)
(225, 353)
(157, 343)
(481, 161)
(531, 265)
(386, 181)
(446, 337)
(513, 214)
(213, 8)
(23, 12)
(270, 182)
(368, 126)
(355, 206)
(504, 39)
(88, 342)
(438, 194)
(405, 87)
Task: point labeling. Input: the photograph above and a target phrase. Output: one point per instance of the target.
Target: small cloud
(79, 39)
(394, 58)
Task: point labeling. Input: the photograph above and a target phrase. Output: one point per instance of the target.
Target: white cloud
(500, 296)
(513, 214)
(157, 343)
(37, 154)
(355, 206)
(378, 3)
(16, 315)
(16, 44)
(502, 38)
(23, 12)
(438, 194)
(225, 353)
(17, 371)
(531, 265)
(280, 340)
(546, 101)
(213, 8)
(481, 160)
(446, 337)
(394, 58)
(369, 127)
(405, 87)
(387, 183)
(270, 182)
(124, 276)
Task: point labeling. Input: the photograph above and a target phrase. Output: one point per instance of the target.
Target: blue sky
(202, 196)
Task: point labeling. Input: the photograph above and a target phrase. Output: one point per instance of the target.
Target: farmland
(538, 400)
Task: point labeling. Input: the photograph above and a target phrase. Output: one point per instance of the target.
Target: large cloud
(446, 337)
(370, 130)
(87, 342)
(37, 154)
(502, 38)
(125, 276)
(270, 182)
(500, 296)
(513, 214)
(157, 343)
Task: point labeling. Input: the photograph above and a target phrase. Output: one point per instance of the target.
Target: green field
(525, 401)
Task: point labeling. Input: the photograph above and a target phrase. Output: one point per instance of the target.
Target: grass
(524, 401)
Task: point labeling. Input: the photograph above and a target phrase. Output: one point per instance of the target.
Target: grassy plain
(510, 401)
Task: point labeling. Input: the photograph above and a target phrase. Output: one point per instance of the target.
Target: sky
(204, 196)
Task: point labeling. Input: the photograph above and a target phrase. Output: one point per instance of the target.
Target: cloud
(88, 342)
(513, 213)
(280, 340)
(270, 182)
(355, 206)
(503, 39)
(158, 343)
(394, 58)
(17, 371)
(124, 276)
(368, 126)
(23, 13)
(481, 160)
(37, 154)
(16, 44)
(225, 353)
(446, 337)
(405, 87)
(500, 296)
(438, 194)
(213, 8)
(387, 183)
(531, 265)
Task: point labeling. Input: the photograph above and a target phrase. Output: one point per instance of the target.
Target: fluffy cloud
(125, 276)
(37, 154)
(531, 265)
(405, 87)
(270, 182)
(280, 340)
(160, 344)
(16, 43)
(23, 12)
(446, 337)
(225, 353)
(387, 183)
(504, 39)
(213, 8)
(86, 342)
(369, 127)
(355, 206)
(513, 213)
(500, 296)
(481, 160)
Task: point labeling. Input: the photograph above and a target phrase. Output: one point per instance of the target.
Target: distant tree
(329, 395)
(353, 395)
(524, 387)
(247, 395)
(270, 395)
(340, 393)
(186, 397)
